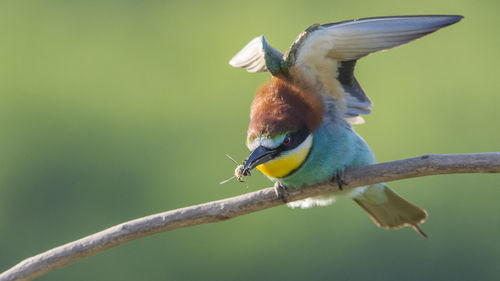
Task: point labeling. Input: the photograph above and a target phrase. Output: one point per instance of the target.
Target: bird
(301, 121)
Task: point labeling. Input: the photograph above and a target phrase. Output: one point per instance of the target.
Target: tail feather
(395, 212)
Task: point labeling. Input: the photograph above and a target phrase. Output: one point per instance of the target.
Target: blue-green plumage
(300, 129)
(335, 147)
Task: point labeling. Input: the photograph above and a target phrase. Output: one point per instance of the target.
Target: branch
(215, 211)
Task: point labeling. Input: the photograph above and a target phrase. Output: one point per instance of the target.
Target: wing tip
(454, 18)
(244, 57)
(450, 19)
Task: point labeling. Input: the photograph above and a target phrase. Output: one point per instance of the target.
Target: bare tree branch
(229, 208)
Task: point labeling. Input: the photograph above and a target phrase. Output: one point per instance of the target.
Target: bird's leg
(281, 192)
(339, 178)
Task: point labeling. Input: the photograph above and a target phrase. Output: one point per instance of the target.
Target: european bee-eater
(300, 130)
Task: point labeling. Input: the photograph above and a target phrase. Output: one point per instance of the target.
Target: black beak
(259, 156)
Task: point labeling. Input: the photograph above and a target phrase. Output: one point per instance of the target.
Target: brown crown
(281, 107)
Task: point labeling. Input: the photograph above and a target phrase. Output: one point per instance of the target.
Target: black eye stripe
(297, 138)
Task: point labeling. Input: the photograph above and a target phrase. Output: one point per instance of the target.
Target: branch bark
(215, 211)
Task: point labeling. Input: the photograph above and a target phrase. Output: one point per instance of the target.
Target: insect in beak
(239, 172)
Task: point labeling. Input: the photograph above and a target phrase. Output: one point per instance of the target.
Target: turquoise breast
(335, 146)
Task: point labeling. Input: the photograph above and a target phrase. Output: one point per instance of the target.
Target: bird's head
(282, 121)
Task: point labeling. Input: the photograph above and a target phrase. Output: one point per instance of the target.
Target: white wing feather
(251, 57)
(358, 38)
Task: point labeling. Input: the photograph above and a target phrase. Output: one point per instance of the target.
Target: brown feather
(280, 107)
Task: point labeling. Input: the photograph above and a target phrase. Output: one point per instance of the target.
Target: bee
(239, 172)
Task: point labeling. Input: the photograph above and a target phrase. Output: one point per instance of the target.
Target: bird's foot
(339, 179)
(281, 192)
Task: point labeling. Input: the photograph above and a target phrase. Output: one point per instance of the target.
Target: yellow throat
(284, 164)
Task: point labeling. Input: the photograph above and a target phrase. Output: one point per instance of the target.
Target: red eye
(287, 141)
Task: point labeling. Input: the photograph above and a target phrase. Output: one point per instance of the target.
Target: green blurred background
(113, 110)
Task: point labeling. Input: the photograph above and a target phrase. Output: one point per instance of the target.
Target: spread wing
(258, 56)
(325, 55)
